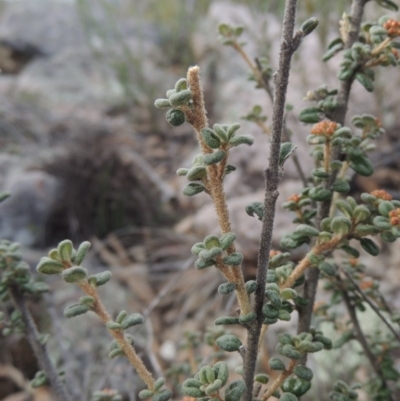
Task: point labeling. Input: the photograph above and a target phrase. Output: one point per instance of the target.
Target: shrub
(333, 226)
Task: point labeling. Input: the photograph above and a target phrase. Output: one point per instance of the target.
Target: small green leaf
(341, 225)
(189, 387)
(162, 103)
(303, 372)
(196, 173)
(241, 140)
(361, 165)
(255, 209)
(74, 274)
(146, 393)
(226, 288)
(111, 325)
(385, 207)
(193, 188)
(327, 268)
(202, 264)
(81, 252)
(181, 98)
(365, 81)
(225, 30)
(212, 241)
(4, 196)
(270, 311)
(261, 378)
(227, 240)
(214, 158)
(361, 213)
(235, 390)
(114, 353)
(390, 5)
(228, 342)
(65, 249)
(310, 118)
(76, 310)
(132, 320)
(181, 172)
(340, 186)
(345, 208)
(284, 315)
(290, 352)
(287, 148)
(49, 266)
(288, 293)
(100, 278)
(309, 25)
(210, 253)
(288, 397)
(251, 286)
(175, 117)
(276, 364)
(163, 395)
(231, 131)
(211, 138)
(222, 372)
(244, 319)
(369, 246)
(305, 230)
(234, 259)
(382, 223)
(180, 85)
(226, 320)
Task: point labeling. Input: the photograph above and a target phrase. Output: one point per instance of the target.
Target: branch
(118, 335)
(197, 117)
(373, 307)
(272, 176)
(363, 341)
(280, 379)
(339, 115)
(38, 348)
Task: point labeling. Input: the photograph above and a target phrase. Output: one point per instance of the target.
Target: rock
(23, 216)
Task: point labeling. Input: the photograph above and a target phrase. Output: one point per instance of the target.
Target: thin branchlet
(374, 361)
(38, 348)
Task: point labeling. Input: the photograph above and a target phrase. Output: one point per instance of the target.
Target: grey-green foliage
(207, 382)
(14, 272)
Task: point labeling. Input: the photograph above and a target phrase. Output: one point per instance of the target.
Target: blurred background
(86, 156)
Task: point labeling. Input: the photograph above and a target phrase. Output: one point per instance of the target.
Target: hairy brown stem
(280, 379)
(272, 176)
(118, 335)
(38, 348)
(196, 116)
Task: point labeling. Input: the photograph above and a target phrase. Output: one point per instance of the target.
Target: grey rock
(23, 216)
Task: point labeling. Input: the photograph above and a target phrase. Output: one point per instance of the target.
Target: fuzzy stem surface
(280, 379)
(197, 117)
(118, 335)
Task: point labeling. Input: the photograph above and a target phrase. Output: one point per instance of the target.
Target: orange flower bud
(324, 128)
(394, 217)
(381, 194)
(294, 198)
